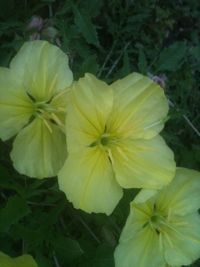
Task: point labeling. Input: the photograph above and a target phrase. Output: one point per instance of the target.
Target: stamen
(56, 119)
(169, 226)
(48, 126)
(168, 239)
(110, 156)
(60, 94)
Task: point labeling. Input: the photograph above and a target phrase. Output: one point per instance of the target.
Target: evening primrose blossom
(33, 95)
(163, 230)
(21, 261)
(113, 141)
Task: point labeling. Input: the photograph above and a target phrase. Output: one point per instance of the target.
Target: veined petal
(15, 106)
(141, 250)
(182, 196)
(138, 216)
(143, 163)
(43, 68)
(90, 105)
(88, 181)
(182, 243)
(140, 107)
(39, 151)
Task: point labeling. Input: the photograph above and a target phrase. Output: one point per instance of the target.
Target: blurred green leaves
(85, 26)
(172, 57)
(16, 208)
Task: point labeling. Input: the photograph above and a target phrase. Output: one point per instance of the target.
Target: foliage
(110, 39)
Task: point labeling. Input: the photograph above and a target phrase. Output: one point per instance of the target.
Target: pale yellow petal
(25, 261)
(142, 250)
(182, 196)
(144, 195)
(143, 163)
(138, 217)
(39, 150)
(43, 68)
(182, 243)
(88, 181)
(90, 104)
(140, 107)
(5, 260)
(21, 261)
(15, 105)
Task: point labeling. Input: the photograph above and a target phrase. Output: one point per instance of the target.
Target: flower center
(157, 221)
(104, 140)
(47, 112)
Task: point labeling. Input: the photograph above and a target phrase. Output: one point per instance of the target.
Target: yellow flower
(32, 106)
(21, 261)
(164, 229)
(113, 141)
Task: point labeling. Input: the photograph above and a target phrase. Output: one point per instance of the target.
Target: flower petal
(37, 152)
(140, 107)
(15, 106)
(21, 261)
(143, 163)
(144, 195)
(90, 105)
(25, 261)
(182, 245)
(141, 250)
(5, 260)
(138, 216)
(88, 181)
(43, 68)
(182, 196)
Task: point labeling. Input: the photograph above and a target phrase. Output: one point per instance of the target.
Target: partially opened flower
(21, 261)
(113, 142)
(164, 229)
(33, 95)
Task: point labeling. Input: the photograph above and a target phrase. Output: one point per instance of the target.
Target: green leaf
(93, 7)
(67, 249)
(171, 58)
(195, 52)
(43, 261)
(84, 24)
(104, 257)
(15, 209)
(89, 65)
(8, 182)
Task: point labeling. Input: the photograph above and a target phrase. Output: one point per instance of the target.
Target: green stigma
(104, 140)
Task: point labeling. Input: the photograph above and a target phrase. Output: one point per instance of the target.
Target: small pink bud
(161, 79)
(36, 24)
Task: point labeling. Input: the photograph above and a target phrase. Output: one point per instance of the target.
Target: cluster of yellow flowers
(99, 139)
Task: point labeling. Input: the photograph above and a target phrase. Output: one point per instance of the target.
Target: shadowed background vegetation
(109, 39)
